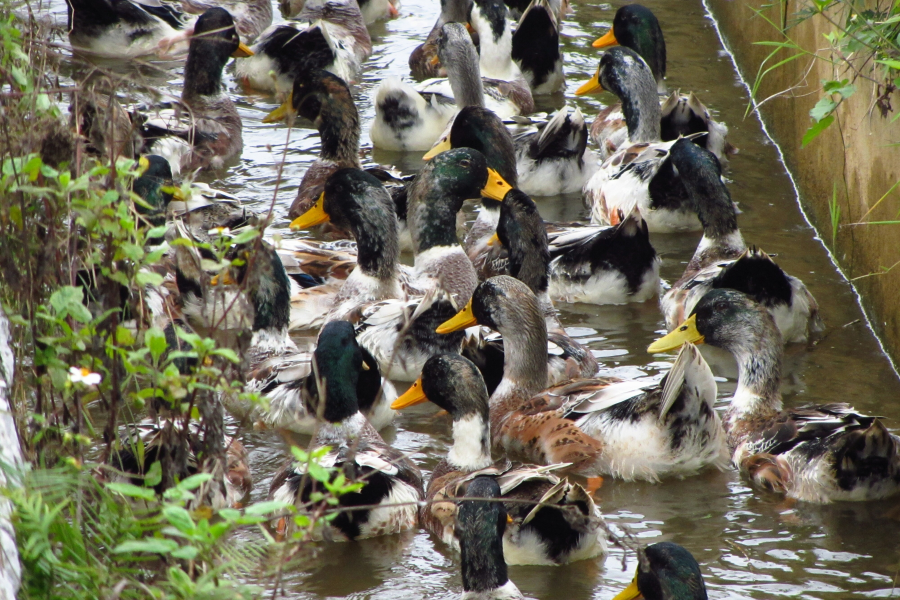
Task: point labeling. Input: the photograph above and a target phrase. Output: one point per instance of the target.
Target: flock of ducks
(472, 321)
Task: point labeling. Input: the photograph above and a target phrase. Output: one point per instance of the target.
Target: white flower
(220, 232)
(80, 375)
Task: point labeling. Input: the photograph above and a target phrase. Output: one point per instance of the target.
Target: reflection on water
(750, 545)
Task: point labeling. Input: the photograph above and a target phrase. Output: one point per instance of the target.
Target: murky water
(749, 545)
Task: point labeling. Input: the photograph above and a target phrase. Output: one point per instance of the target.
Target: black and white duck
(564, 528)
(326, 34)
(601, 426)
(372, 10)
(204, 130)
(723, 260)
(535, 48)
(392, 487)
(815, 453)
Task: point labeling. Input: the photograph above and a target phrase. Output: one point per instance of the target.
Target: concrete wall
(853, 154)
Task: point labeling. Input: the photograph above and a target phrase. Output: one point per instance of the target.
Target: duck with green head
(392, 484)
(723, 260)
(552, 521)
(665, 571)
(207, 130)
(637, 28)
(594, 424)
(816, 453)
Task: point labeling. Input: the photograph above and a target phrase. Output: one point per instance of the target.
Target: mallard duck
(567, 528)
(143, 445)
(125, 29)
(597, 265)
(254, 297)
(353, 199)
(722, 259)
(327, 34)
(424, 62)
(637, 28)
(325, 100)
(665, 571)
(205, 130)
(408, 118)
(535, 48)
(602, 426)
(816, 453)
(392, 483)
(481, 526)
(400, 333)
(250, 17)
(549, 161)
(372, 10)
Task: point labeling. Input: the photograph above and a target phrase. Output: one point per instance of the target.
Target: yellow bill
(494, 240)
(177, 192)
(414, 395)
(462, 319)
(224, 279)
(496, 187)
(592, 86)
(243, 51)
(608, 39)
(686, 332)
(631, 592)
(441, 146)
(314, 216)
(143, 165)
(282, 112)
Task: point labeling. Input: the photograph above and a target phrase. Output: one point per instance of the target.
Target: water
(749, 545)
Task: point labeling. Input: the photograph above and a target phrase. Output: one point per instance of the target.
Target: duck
(400, 333)
(371, 10)
(489, 21)
(481, 526)
(566, 528)
(596, 265)
(558, 8)
(665, 571)
(354, 200)
(326, 34)
(204, 130)
(592, 423)
(636, 27)
(250, 17)
(817, 453)
(723, 260)
(126, 29)
(408, 118)
(424, 62)
(254, 296)
(548, 161)
(535, 48)
(143, 445)
(324, 99)
(391, 483)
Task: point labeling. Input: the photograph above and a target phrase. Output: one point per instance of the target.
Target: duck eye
(683, 328)
(465, 163)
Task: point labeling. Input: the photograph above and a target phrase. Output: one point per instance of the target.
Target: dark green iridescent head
(667, 571)
(701, 174)
(156, 174)
(481, 129)
(480, 526)
(521, 231)
(636, 27)
(338, 361)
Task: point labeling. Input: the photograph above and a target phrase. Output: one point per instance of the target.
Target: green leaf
(245, 236)
(155, 340)
(264, 508)
(154, 475)
(814, 131)
(179, 518)
(67, 300)
(185, 552)
(148, 278)
(228, 354)
(154, 545)
(894, 64)
(318, 472)
(823, 108)
(194, 481)
(132, 491)
(844, 88)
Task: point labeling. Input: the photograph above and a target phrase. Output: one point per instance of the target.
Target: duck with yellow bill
(665, 571)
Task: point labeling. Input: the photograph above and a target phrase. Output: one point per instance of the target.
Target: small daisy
(220, 232)
(82, 375)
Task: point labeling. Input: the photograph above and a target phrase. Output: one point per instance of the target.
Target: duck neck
(339, 132)
(721, 236)
(525, 352)
(471, 448)
(640, 107)
(202, 72)
(431, 214)
(378, 246)
(270, 294)
(465, 81)
(759, 375)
